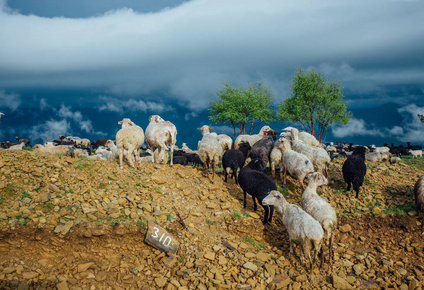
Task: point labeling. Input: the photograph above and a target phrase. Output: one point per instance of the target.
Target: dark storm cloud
(186, 52)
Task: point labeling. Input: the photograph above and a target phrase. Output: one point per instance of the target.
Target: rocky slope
(70, 223)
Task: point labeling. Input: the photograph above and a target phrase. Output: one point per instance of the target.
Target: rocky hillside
(77, 224)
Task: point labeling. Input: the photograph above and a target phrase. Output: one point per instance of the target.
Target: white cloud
(43, 104)
(188, 116)
(224, 130)
(411, 130)
(121, 105)
(11, 100)
(50, 130)
(356, 127)
(187, 52)
(414, 128)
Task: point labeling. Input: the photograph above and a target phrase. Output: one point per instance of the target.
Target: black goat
(234, 159)
(23, 140)
(258, 185)
(413, 147)
(182, 160)
(354, 169)
(262, 149)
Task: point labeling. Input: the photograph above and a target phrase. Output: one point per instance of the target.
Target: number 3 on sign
(166, 242)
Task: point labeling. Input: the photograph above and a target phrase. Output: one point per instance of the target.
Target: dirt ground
(379, 242)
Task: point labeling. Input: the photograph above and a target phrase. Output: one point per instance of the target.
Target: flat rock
(160, 239)
(30, 275)
(250, 266)
(84, 267)
(340, 283)
(210, 256)
(345, 228)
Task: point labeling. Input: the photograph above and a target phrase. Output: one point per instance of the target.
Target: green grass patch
(236, 214)
(210, 222)
(25, 194)
(400, 209)
(413, 162)
(142, 223)
(169, 217)
(10, 190)
(252, 241)
(49, 205)
(157, 189)
(81, 165)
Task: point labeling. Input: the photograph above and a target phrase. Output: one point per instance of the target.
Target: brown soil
(105, 249)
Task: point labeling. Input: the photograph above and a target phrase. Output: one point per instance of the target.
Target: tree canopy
(316, 103)
(240, 106)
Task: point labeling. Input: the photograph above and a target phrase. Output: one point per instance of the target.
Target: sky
(78, 67)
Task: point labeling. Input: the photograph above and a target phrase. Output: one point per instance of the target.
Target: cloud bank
(411, 129)
(188, 51)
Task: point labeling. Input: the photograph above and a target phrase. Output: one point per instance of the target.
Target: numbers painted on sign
(166, 242)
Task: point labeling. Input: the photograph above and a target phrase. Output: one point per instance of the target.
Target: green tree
(241, 106)
(316, 103)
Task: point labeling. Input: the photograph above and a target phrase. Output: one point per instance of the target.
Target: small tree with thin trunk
(243, 106)
(316, 103)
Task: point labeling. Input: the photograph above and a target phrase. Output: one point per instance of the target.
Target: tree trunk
(251, 127)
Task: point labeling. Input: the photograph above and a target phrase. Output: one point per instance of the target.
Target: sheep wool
(160, 133)
(210, 150)
(297, 164)
(419, 193)
(234, 159)
(320, 209)
(253, 181)
(302, 228)
(354, 169)
(130, 138)
(275, 157)
(319, 157)
(252, 139)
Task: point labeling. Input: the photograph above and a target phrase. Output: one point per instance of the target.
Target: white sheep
(159, 134)
(210, 150)
(297, 164)
(186, 149)
(16, 147)
(225, 141)
(416, 153)
(377, 156)
(130, 138)
(383, 149)
(275, 157)
(252, 139)
(306, 137)
(302, 228)
(59, 149)
(320, 209)
(319, 157)
(108, 154)
(83, 142)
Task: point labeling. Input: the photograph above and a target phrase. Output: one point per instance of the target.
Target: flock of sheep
(297, 153)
